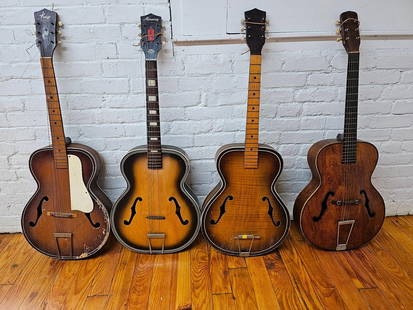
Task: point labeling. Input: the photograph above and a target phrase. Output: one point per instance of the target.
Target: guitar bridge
(354, 202)
(250, 237)
(61, 214)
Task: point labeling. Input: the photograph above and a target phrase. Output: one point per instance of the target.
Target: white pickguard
(80, 199)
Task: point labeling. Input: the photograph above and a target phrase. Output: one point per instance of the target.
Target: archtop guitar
(67, 218)
(244, 215)
(340, 209)
(157, 213)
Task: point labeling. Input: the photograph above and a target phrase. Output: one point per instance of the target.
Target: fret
(154, 149)
(349, 151)
(252, 122)
(54, 111)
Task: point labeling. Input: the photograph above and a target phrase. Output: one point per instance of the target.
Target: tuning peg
(60, 24)
(242, 21)
(59, 42)
(339, 39)
(138, 25)
(59, 32)
(337, 31)
(267, 22)
(136, 44)
(242, 29)
(338, 23)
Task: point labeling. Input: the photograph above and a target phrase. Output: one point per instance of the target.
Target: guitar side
(244, 215)
(157, 213)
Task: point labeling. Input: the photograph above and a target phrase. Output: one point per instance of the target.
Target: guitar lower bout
(157, 213)
(75, 225)
(244, 215)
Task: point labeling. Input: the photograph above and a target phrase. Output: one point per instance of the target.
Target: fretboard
(253, 113)
(152, 116)
(351, 110)
(55, 115)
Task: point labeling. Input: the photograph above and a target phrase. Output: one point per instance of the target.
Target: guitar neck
(55, 115)
(253, 113)
(351, 110)
(152, 116)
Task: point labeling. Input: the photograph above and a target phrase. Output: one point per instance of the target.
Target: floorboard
(296, 276)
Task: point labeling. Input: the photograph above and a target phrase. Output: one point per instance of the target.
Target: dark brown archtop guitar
(157, 213)
(243, 215)
(340, 209)
(67, 217)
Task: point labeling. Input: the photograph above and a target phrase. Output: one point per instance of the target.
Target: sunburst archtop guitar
(340, 209)
(157, 213)
(244, 215)
(67, 217)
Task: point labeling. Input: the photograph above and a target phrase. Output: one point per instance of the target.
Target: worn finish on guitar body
(244, 215)
(156, 201)
(317, 209)
(48, 222)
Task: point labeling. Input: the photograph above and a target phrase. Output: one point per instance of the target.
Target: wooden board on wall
(220, 19)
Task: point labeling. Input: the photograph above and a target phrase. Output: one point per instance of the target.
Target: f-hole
(178, 211)
(270, 211)
(221, 210)
(133, 211)
(96, 225)
(367, 203)
(39, 211)
(323, 207)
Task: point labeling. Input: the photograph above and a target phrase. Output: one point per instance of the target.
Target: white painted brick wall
(203, 99)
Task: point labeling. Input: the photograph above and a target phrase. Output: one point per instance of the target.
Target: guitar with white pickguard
(67, 217)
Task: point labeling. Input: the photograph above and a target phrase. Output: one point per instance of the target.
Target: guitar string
(350, 142)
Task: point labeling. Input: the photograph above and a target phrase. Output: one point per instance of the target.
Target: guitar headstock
(255, 30)
(46, 23)
(151, 29)
(349, 31)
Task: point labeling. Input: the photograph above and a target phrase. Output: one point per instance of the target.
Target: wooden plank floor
(297, 276)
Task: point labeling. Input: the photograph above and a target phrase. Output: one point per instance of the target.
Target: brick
(305, 63)
(203, 96)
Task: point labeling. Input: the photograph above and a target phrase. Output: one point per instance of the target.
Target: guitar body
(244, 215)
(83, 228)
(340, 209)
(157, 213)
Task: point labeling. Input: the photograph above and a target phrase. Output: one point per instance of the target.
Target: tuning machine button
(60, 24)
(339, 39)
(338, 23)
